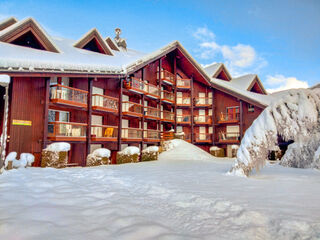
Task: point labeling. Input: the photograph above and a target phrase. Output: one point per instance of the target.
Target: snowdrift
(294, 115)
(178, 149)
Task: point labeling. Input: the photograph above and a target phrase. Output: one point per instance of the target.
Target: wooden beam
(142, 119)
(192, 105)
(213, 118)
(241, 120)
(46, 112)
(120, 113)
(175, 91)
(160, 84)
(89, 115)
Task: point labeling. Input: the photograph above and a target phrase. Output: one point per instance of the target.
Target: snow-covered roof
(214, 69)
(246, 81)
(7, 22)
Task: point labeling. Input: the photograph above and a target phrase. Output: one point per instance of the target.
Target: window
(250, 108)
(57, 116)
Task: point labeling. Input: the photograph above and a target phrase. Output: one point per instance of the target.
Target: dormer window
(28, 40)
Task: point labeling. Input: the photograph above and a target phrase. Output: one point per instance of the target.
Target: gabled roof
(7, 22)
(93, 34)
(214, 69)
(247, 82)
(18, 29)
(112, 44)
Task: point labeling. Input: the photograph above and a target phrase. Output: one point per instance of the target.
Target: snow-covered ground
(172, 198)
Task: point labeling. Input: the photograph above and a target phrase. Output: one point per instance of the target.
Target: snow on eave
(4, 80)
(16, 28)
(112, 44)
(7, 22)
(89, 36)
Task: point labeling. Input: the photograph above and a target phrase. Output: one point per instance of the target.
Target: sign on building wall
(21, 122)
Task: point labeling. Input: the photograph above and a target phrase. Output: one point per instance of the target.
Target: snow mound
(26, 159)
(178, 149)
(214, 148)
(58, 147)
(293, 116)
(130, 150)
(102, 152)
(151, 149)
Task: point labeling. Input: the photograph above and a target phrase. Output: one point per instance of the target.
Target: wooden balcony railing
(202, 119)
(167, 77)
(152, 113)
(167, 116)
(184, 119)
(229, 117)
(132, 109)
(67, 131)
(153, 91)
(167, 96)
(151, 135)
(183, 83)
(203, 101)
(68, 95)
(135, 85)
(183, 101)
(230, 137)
(104, 133)
(167, 135)
(131, 134)
(203, 137)
(105, 103)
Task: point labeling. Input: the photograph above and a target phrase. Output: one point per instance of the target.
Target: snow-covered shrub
(26, 160)
(293, 116)
(169, 145)
(234, 149)
(55, 155)
(128, 155)
(216, 151)
(150, 153)
(98, 157)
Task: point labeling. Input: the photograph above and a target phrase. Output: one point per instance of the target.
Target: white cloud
(280, 83)
(240, 59)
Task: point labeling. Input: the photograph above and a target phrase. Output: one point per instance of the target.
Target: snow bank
(102, 152)
(26, 159)
(58, 147)
(293, 116)
(178, 149)
(151, 149)
(131, 150)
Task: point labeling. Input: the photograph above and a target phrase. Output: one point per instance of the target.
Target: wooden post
(120, 113)
(45, 113)
(175, 92)
(241, 120)
(192, 120)
(89, 114)
(160, 85)
(213, 119)
(142, 120)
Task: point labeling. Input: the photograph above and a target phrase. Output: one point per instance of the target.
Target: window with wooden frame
(250, 108)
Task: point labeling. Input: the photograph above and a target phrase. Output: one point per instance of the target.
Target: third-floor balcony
(229, 117)
(132, 109)
(105, 103)
(68, 96)
(151, 113)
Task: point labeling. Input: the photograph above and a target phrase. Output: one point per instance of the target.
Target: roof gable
(218, 70)
(112, 44)
(93, 41)
(14, 34)
(7, 23)
(257, 86)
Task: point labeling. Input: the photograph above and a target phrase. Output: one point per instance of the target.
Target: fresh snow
(101, 152)
(130, 150)
(151, 149)
(4, 79)
(58, 147)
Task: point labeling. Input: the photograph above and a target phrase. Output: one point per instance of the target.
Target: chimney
(121, 42)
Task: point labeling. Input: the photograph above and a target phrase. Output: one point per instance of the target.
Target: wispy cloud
(280, 83)
(240, 59)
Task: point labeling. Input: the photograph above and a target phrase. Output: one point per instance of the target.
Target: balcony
(101, 133)
(167, 77)
(230, 137)
(167, 116)
(202, 119)
(187, 137)
(203, 102)
(167, 97)
(136, 85)
(203, 138)
(105, 103)
(183, 119)
(152, 91)
(229, 118)
(131, 134)
(132, 109)
(67, 131)
(184, 101)
(68, 96)
(152, 113)
(150, 135)
(183, 83)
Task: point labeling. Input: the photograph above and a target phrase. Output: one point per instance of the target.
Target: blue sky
(278, 40)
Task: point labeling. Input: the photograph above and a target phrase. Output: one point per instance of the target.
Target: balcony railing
(104, 133)
(68, 95)
(183, 83)
(167, 96)
(229, 117)
(184, 119)
(167, 116)
(230, 137)
(152, 113)
(151, 135)
(183, 101)
(153, 91)
(131, 134)
(203, 101)
(104, 103)
(135, 85)
(132, 109)
(202, 119)
(167, 77)
(67, 131)
(203, 137)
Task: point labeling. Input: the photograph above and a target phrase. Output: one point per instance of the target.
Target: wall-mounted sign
(21, 122)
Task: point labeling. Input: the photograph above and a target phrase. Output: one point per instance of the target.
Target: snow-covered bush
(294, 115)
(150, 153)
(128, 155)
(26, 160)
(216, 151)
(98, 157)
(55, 155)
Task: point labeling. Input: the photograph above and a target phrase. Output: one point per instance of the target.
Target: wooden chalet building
(95, 92)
